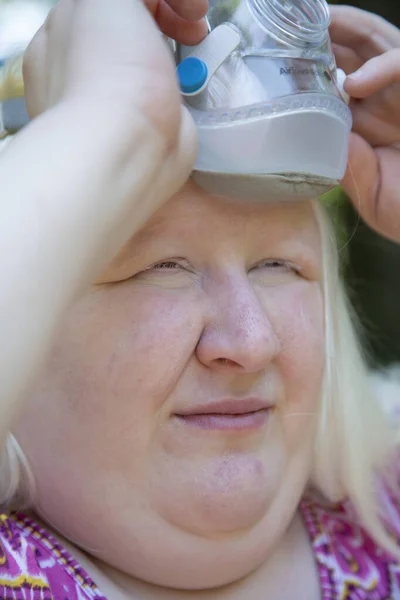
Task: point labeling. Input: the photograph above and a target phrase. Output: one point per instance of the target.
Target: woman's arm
(108, 146)
(72, 191)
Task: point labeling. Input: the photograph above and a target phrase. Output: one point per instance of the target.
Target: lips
(228, 414)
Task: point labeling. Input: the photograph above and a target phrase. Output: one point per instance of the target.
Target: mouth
(228, 415)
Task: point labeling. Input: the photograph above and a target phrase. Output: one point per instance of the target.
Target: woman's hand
(368, 48)
(112, 52)
(106, 65)
(181, 20)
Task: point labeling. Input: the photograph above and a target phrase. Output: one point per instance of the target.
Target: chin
(229, 533)
(223, 494)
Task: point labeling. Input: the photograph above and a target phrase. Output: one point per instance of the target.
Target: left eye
(281, 266)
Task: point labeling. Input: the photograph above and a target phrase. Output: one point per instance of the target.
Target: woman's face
(172, 431)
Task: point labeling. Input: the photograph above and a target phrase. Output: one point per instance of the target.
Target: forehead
(194, 212)
(195, 218)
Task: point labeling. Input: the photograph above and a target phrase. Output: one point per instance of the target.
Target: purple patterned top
(34, 566)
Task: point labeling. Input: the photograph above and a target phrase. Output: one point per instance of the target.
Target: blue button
(192, 74)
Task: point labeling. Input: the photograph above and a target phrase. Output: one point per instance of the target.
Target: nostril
(227, 362)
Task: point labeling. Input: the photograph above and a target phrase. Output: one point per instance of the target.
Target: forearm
(72, 192)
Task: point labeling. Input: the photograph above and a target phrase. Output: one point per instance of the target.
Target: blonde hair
(357, 434)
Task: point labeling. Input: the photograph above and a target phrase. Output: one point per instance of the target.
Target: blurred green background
(372, 263)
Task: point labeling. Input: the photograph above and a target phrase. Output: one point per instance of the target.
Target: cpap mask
(268, 102)
(267, 99)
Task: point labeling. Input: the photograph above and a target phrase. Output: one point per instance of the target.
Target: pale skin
(145, 300)
(231, 295)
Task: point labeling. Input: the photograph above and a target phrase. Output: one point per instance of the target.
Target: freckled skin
(179, 506)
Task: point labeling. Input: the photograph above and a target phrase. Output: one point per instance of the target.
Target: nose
(238, 333)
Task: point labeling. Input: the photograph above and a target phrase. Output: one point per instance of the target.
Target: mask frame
(263, 89)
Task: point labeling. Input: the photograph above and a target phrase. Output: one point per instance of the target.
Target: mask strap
(340, 79)
(199, 66)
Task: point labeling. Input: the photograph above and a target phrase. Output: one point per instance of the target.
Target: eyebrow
(299, 230)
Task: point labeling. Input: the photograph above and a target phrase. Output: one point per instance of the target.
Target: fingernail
(356, 75)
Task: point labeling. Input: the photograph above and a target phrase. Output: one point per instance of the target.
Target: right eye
(166, 265)
(278, 266)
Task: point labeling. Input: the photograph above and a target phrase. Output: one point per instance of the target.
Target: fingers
(181, 20)
(348, 21)
(362, 170)
(374, 75)
(347, 59)
(175, 26)
(34, 72)
(374, 128)
(388, 200)
(190, 10)
(365, 33)
(372, 182)
(382, 210)
(361, 181)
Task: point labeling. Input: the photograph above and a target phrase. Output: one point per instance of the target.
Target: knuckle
(34, 50)
(51, 18)
(27, 63)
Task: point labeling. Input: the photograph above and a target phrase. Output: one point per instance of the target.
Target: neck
(290, 573)
(286, 574)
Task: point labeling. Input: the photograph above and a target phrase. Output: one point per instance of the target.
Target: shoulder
(32, 562)
(350, 563)
(19, 563)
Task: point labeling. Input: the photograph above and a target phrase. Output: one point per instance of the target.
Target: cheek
(132, 343)
(297, 319)
(299, 325)
(108, 378)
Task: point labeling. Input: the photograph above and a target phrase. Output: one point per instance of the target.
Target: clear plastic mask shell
(284, 27)
(267, 99)
(293, 36)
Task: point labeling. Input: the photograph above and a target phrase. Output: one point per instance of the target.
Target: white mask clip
(199, 66)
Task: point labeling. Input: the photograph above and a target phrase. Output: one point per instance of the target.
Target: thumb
(361, 180)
